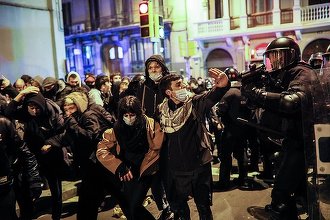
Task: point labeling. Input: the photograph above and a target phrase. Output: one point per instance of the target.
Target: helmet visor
(326, 61)
(277, 59)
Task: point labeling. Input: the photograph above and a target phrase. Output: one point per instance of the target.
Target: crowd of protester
(124, 136)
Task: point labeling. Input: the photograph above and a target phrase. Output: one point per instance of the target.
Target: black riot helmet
(232, 73)
(282, 53)
(316, 60)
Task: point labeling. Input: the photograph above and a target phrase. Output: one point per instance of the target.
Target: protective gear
(232, 73)
(181, 95)
(155, 77)
(129, 120)
(316, 60)
(282, 53)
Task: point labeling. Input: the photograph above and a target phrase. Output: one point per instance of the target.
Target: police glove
(254, 94)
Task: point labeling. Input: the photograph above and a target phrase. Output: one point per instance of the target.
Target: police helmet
(282, 53)
(232, 73)
(316, 60)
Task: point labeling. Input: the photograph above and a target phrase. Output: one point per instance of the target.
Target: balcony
(310, 17)
(119, 22)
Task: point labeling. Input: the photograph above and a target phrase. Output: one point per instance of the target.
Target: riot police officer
(287, 98)
(234, 139)
(316, 60)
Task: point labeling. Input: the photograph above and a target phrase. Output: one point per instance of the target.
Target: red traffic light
(143, 7)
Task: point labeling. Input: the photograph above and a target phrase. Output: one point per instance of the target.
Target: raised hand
(221, 79)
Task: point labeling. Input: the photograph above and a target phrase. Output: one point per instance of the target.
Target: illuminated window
(88, 57)
(137, 51)
(112, 53)
(116, 52)
(70, 59)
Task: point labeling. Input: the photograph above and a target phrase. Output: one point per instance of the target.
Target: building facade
(31, 39)
(104, 36)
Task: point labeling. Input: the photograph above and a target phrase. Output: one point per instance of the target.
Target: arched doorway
(319, 45)
(112, 56)
(219, 58)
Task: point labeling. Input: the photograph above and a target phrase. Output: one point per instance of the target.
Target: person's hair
(125, 77)
(26, 78)
(129, 104)
(101, 80)
(166, 81)
(114, 74)
(72, 76)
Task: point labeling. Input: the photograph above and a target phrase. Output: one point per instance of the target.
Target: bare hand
(24, 92)
(127, 177)
(46, 148)
(30, 89)
(221, 79)
(5, 82)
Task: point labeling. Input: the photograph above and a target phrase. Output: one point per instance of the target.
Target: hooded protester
(130, 150)
(52, 88)
(44, 125)
(84, 126)
(73, 84)
(148, 93)
(155, 70)
(20, 180)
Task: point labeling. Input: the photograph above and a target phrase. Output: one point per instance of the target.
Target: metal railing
(315, 12)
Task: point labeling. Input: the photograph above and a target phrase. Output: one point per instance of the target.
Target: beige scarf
(172, 121)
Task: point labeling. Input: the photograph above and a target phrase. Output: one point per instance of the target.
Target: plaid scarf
(172, 121)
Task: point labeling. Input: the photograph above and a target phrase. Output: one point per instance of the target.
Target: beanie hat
(36, 98)
(160, 60)
(89, 77)
(48, 81)
(79, 99)
(38, 79)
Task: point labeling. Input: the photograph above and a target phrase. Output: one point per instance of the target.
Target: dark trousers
(50, 167)
(135, 192)
(7, 205)
(158, 191)
(23, 198)
(198, 184)
(291, 177)
(96, 182)
(229, 146)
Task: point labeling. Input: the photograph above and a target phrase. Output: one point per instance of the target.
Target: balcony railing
(214, 28)
(260, 19)
(315, 12)
(286, 16)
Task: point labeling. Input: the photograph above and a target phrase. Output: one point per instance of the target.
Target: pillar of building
(243, 17)
(226, 18)
(276, 13)
(296, 12)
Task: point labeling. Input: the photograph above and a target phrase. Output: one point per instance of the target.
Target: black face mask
(90, 85)
(52, 92)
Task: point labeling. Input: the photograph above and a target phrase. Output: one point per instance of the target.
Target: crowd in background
(123, 136)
